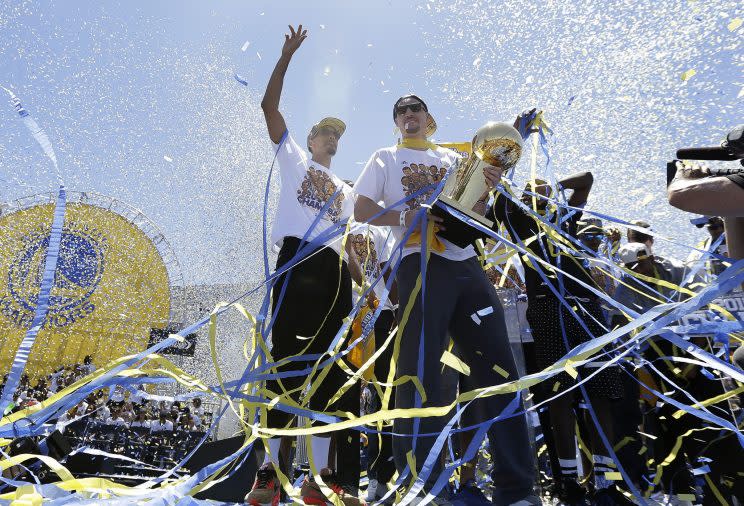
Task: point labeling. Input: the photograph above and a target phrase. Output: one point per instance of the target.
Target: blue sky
(140, 102)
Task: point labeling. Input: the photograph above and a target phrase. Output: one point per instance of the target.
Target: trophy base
(458, 232)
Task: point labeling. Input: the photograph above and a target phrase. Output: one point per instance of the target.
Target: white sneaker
(674, 500)
(530, 500)
(371, 491)
(434, 502)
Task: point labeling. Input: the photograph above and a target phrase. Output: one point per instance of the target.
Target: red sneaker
(266, 490)
(312, 494)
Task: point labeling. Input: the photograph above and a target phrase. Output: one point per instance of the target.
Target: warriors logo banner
(110, 286)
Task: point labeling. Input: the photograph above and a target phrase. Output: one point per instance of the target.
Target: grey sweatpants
(455, 290)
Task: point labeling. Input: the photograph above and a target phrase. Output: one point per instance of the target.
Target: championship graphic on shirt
(417, 176)
(366, 252)
(316, 189)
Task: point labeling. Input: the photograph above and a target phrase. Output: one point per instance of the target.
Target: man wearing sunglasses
(459, 303)
(311, 300)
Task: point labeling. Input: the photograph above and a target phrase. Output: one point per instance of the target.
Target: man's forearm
(276, 82)
(578, 181)
(714, 196)
(365, 209)
(354, 268)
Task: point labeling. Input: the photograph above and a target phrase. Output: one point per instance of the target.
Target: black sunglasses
(401, 109)
(591, 237)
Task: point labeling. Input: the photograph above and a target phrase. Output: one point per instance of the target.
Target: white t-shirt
(156, 426)
(104, 412)
(146, 424)
(373, 246)
(137, 396)
(306, 187)
(115, 421)
(394, 173)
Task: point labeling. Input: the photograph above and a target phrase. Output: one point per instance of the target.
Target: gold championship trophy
(496, 144)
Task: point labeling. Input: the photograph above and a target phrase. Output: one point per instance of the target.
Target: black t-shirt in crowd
(522, 227)
(737, 178)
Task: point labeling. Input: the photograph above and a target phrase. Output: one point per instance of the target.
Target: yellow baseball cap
(329, 122)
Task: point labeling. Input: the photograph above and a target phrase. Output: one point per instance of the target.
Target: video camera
(730, 150)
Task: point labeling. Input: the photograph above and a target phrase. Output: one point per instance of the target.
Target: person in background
(373, 246)
(163, 423)
(715, 243)
(88, 367)
(679, 380)
(104, 412)
(673, 269)
(196, 406)
(596, 240)
(563, 312)
(116, 418)
(142, 419)
(185, 422)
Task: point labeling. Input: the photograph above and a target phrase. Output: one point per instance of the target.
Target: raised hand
(293, 40)
(525, 114)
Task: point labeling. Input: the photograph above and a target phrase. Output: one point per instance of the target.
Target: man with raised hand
(563, 313)
(311, 300)
(456, 290)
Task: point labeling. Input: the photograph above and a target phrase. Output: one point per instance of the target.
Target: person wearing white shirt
(116, 418)
(141, 420)
(103, 412)
(196, 406)
(118, 394)
(138, 396)
(310, 302)
(373, 247)
(88, 367)
(162, 423)
(457, 289)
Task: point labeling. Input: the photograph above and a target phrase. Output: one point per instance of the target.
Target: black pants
(455, 292)
(380, 450)
(706, 441)
(316, 300)
(628, 418)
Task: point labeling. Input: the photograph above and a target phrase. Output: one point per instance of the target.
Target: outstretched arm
(270, 103)
(694, 192)
(581, 184)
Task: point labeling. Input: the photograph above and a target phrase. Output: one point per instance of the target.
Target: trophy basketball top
(498, 144)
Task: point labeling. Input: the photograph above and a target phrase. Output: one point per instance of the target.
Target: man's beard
(331, 151)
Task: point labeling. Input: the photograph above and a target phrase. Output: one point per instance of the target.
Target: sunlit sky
(140, 101)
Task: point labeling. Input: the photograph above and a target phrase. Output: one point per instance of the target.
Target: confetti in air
(623, 88)
(686, 75)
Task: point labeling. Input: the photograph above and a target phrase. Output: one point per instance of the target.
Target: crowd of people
(615, 426)
(114, 406)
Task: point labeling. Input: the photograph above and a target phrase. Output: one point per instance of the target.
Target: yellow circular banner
(110, 287)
